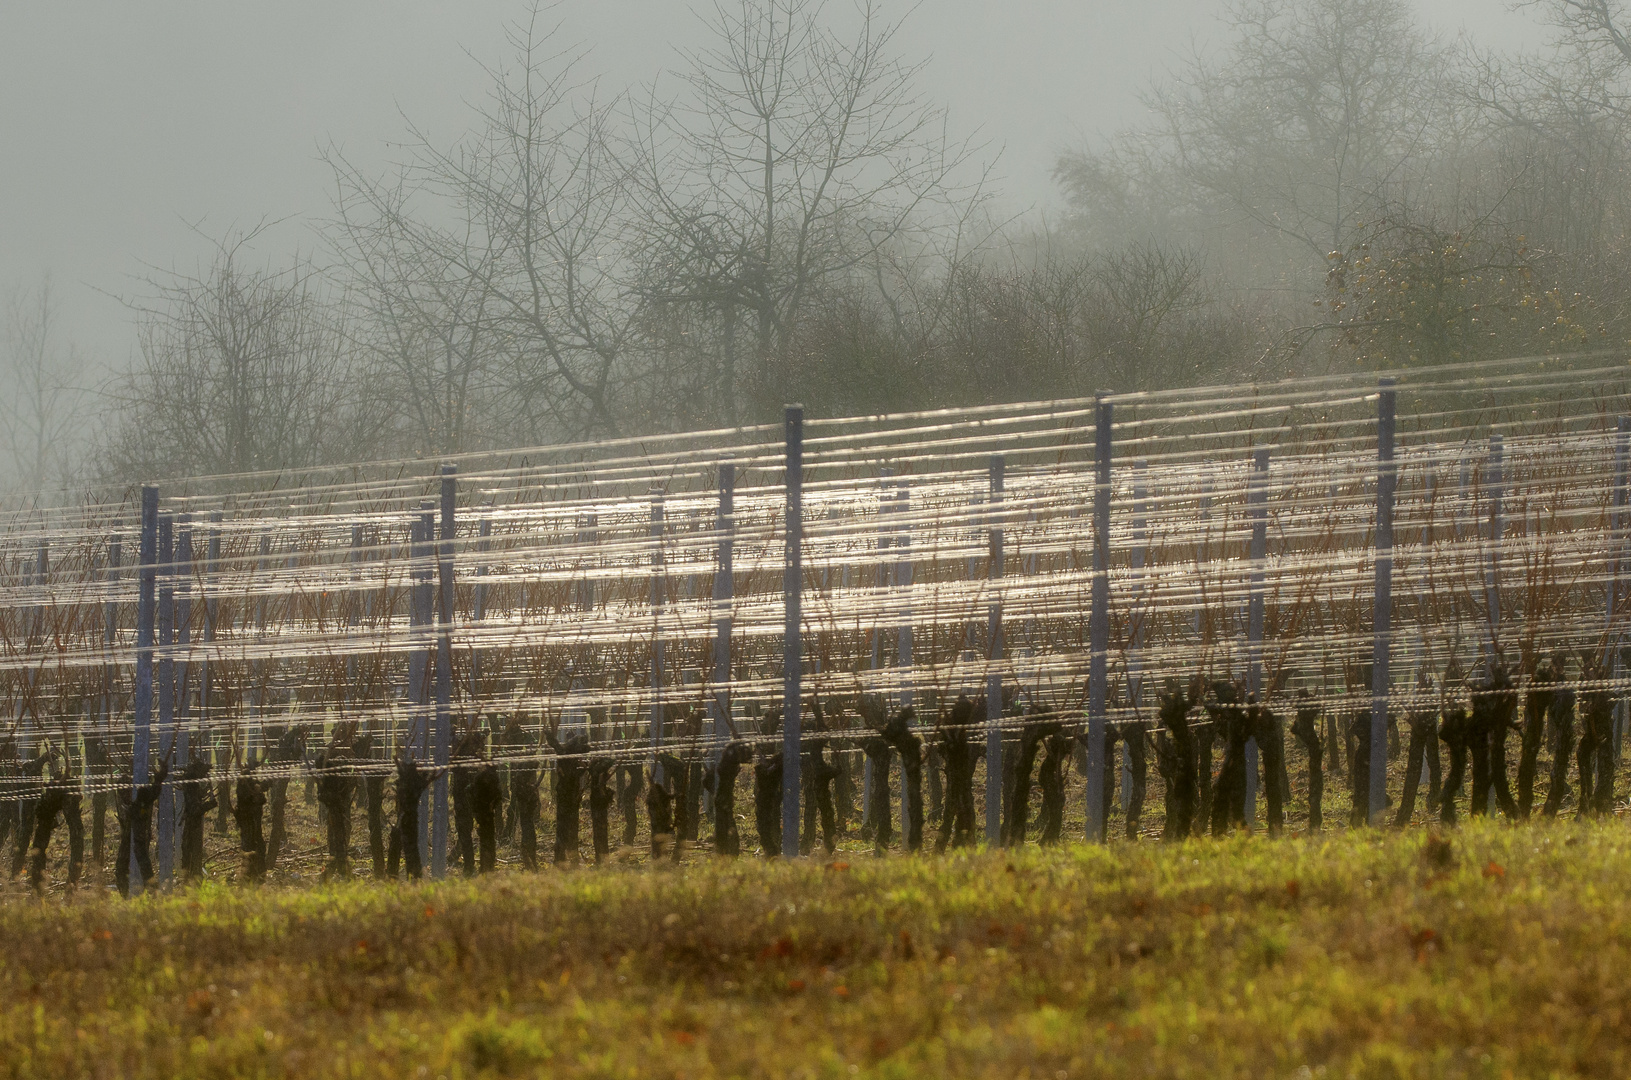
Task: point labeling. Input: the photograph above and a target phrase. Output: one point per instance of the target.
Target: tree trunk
(1455, 733)
(899, 734)
(956, 753)
(1052, 782)
(487, 797)
(601, 797)
(1271, 741)
(1306, 729)
(880, 811)
(767, 802)
(727, 841)
(1537, 703)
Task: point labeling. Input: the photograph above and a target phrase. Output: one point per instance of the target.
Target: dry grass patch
(1501, 952)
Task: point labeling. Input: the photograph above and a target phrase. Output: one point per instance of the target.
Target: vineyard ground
(1495, 951)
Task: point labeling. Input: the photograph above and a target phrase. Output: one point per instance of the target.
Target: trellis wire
(579, 591)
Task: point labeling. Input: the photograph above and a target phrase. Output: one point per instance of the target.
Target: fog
(135, 137)
(125, 124)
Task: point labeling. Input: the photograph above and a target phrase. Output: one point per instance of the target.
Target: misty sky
(121, 125)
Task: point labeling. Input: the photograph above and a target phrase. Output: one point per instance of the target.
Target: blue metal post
(182, 577)
(484, 539)
(263, 566)
(110, 632)
(167, 694)
(35, 647)
(903, 583)
(1203, 546)
(1616, 564)
(1497, 529)
(587, 538)
(1135, 654)
(792, 640)
(993, 677)
(146, 602)
(884, 576)
(444, 669)
(353, 602)
(31, 646)
(184, 640)
(1387, 478)
(1257, 493)
(424, 610)
(211, 567)
(1099, 622)
(724, 596)
(903, 638)
(658, 589)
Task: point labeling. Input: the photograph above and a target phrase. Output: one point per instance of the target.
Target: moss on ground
(1495, 952)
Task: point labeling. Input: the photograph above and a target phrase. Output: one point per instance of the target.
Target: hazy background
(271, 237)
(122, 124)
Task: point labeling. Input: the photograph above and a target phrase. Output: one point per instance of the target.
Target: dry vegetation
(1493, 952)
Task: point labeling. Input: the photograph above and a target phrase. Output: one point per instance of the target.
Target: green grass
(1367, 954)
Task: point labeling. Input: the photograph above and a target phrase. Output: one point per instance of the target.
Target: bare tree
(426, 326)
(44, 402)
(1557, 129)
(1592, 29)
(1138, 317)
(1317, 108)
(797, 155)
(1313, 112)
(240, 369)
(520, 303)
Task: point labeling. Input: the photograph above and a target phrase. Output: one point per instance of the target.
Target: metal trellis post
(883, 578)
(444, 669)
(146, 587)
(658, 588)
(1497, 528)
(724, 595)
(110, 632)
(424, 605)
(1099, 622)
(211, 566)
(1135, 655)
(1256, 499)
(184, 640)
(792, 643)
(993, 678)
(1382, 619)
(903, 584)
(1616, 562)
(478, 612)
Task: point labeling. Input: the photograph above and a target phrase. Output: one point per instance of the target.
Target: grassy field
(1495, 952)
